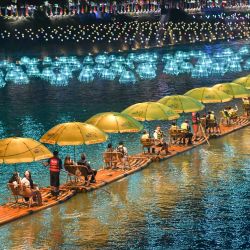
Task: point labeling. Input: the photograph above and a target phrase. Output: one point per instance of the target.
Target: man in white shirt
(158, 136)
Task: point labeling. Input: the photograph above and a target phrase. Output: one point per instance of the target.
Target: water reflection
(195, 200)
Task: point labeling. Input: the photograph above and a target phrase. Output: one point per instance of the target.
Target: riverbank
(12, 211)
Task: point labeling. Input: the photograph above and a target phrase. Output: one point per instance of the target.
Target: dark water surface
(197, 200)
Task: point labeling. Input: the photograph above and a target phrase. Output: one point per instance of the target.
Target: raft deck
(12, 210)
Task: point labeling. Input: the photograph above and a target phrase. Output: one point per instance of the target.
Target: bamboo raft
(15, 210)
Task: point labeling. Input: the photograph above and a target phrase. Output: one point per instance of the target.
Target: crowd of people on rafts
(30, 191)
(26, 187)
(199, 128)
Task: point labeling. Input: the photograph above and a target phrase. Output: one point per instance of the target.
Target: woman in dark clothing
(15, 178)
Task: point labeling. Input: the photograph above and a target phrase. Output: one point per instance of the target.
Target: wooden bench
(147, 143)
(79, 172)
(176, 135)
(22, 192)
(112, 160)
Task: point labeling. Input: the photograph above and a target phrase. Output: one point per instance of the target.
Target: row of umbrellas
(16, 150)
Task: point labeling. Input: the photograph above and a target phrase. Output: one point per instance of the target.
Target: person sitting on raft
(174, 126)
(68, 161)
(173, 130)
(92, 172)
(146, 138)
(233, 113)
(246, 105)
(30, 189)
(15, 179)
(185, 127)
(158, 136)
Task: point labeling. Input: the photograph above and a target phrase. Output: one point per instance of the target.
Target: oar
(204, 134)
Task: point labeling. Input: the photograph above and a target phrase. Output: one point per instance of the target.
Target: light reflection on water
(196, 200)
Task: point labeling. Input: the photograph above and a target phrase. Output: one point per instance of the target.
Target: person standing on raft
(55, 165)
(195, 124)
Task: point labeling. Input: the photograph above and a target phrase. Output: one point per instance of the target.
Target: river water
(197, 200)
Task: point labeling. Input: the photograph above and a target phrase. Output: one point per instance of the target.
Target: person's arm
(125, 150)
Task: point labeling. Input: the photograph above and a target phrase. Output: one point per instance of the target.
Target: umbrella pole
(74, 153)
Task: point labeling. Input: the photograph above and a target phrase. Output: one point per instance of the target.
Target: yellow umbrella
(114, 122)
(20, 150)
(182, 104)
(74, 133)
(244, 81)
(233, 89)
(150, 111)
(208, 95)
